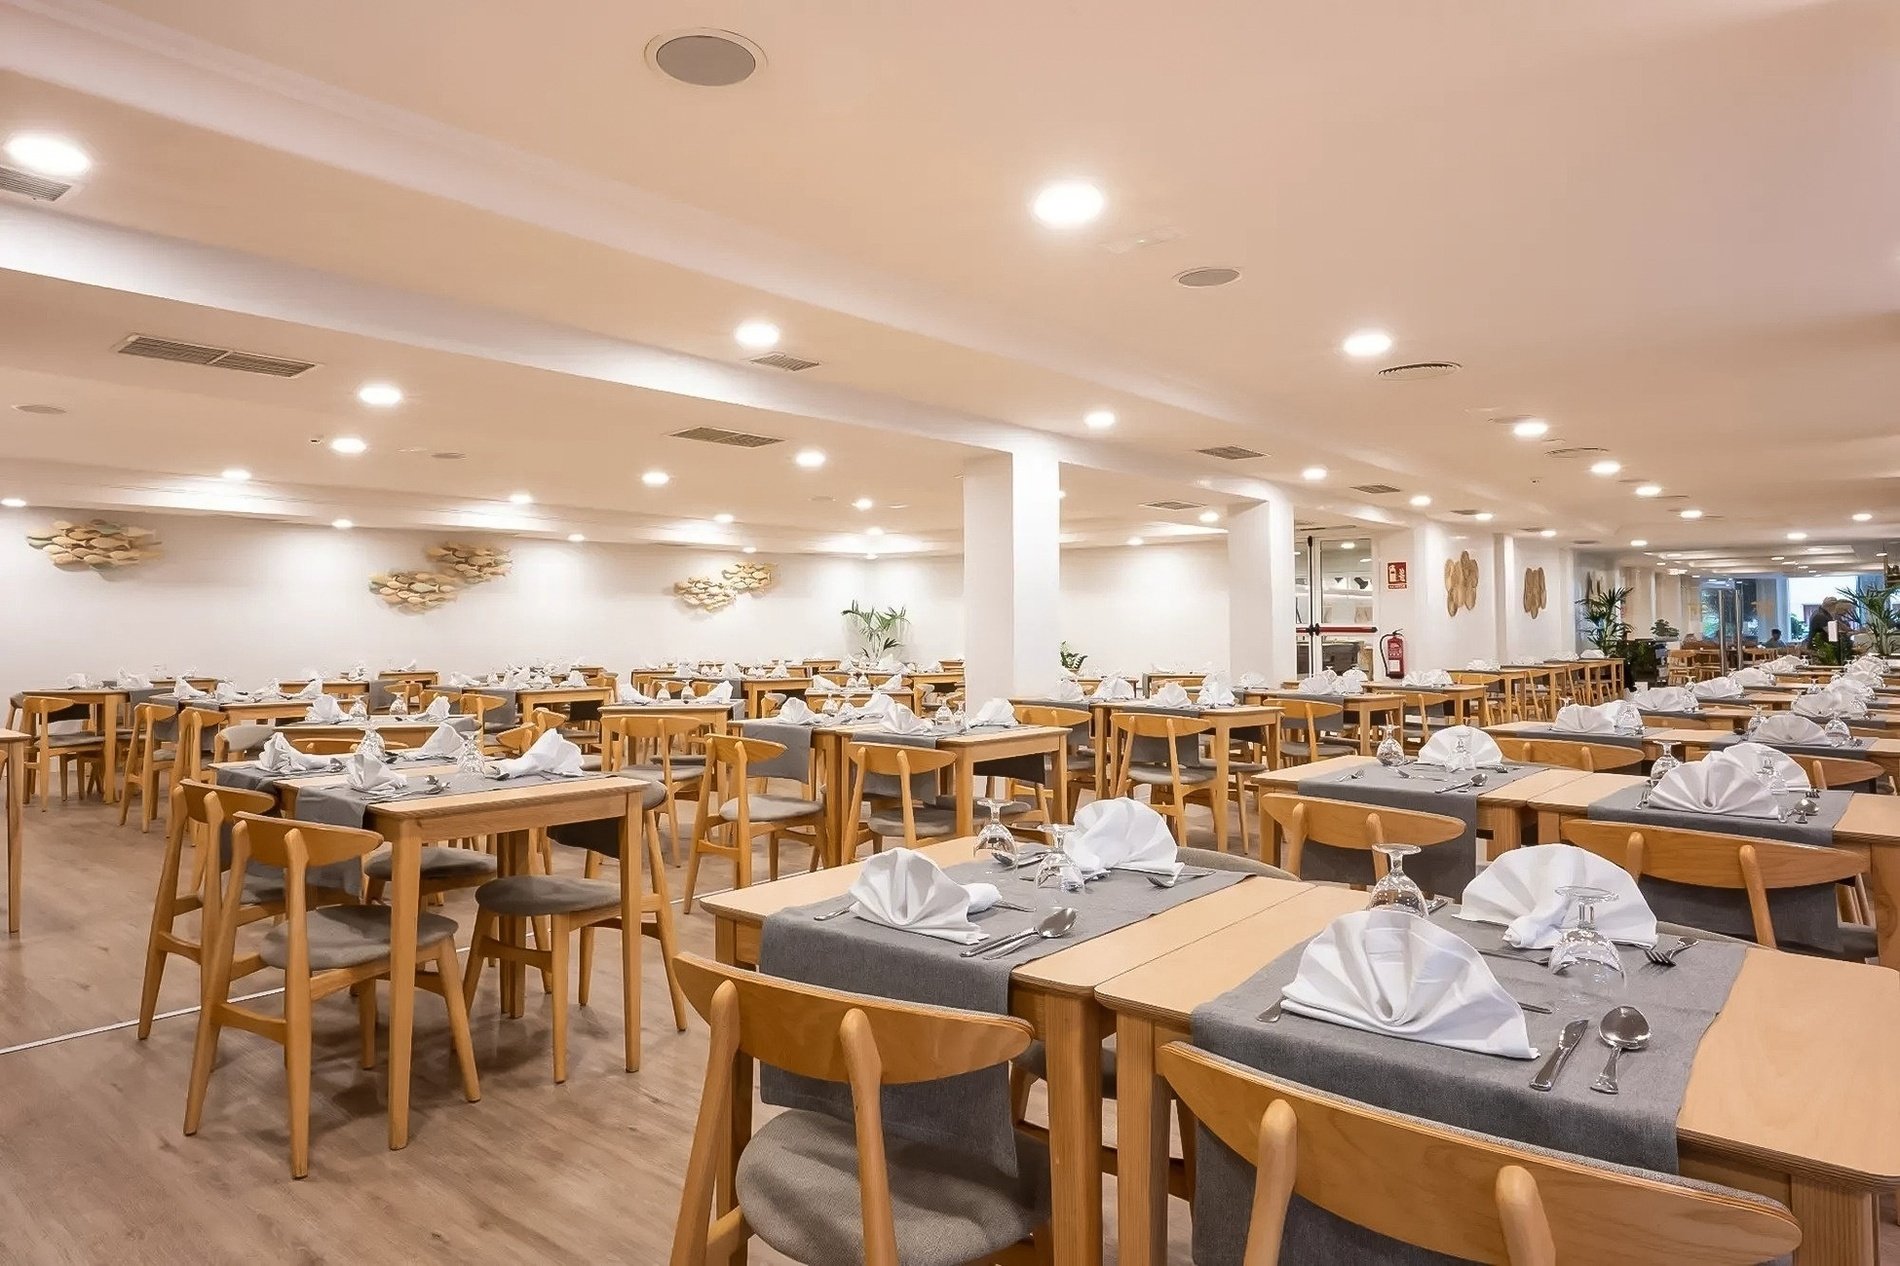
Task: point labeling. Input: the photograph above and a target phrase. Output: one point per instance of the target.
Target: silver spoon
(1169, 881)
(1621, 1029)
(1053, 924)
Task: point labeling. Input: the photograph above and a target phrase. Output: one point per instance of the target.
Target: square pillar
(1260, 579)
(1012, 573)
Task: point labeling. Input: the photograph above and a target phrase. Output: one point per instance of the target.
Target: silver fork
(1667, 957)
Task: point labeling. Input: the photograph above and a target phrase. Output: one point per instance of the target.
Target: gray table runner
(1802, 916)
(1439, 868)
(1484, 1093)
(969, 1113)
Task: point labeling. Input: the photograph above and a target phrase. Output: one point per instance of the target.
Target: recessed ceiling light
(1606, 467)
(863, 503)
(656, 479)
(722, 518)
(1068, 204)
(342, 524)
(380, 394)
(1530, 428)
(13, 503)
(1690, 514)
(1797, 536)
(1862, 517)
(1364, 343)
(750, 549)
(1099, 420)
(874, 531)
(48, 155)
(1778, 558)
(1420, 501)
(348, 445)
(756, 336)
(236, 474)
(1136, 540)
(1483, 516)
(520, 499)
(870, 558)
(575, 537)
(1649, 490)
(1210, 516)
(1548, 532)
(1313, 473)
(1638, 543)
(810, 458)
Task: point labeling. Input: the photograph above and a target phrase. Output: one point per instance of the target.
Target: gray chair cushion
(438, 862)
(522, 895)
(798, 1186)
(770, 808)
(1162, 776)
(78, 738)
(931, 823)
(685, 769)
(346, 936)
(1214, 859)
(1008, 809)
(652, 794)
(1035, 1061)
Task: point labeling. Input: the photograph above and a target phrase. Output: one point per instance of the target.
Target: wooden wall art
(715, 593)
(414, 590)
(472, 564)
(1461, 583)
(98, 544)
(1536, 595)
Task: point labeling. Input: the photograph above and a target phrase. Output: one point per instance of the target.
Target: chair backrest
(37, 712)
(1425, 701)
(894, 761)
(1346, 824)
(294, 847)
(1304, 715)
(1239, 863)
(477, 705)
(429, 694)
(1465, 1195)
(1706, 859)
(146, 716)
(209, 804)
(864, 1042)
(621, 733)
(545, 719)
(1569, 754)
(193, 725)
(1125, 727)
(321, 745)
(1045, 714)
(1842, 771)
(518, 740)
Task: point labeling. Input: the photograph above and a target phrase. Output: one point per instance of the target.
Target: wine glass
(1754, 725)
(1396, 888)
(1835, 732)
(1057, 869)
(1463, 758)
(1664, 763)
(995, 838)
(469, 759)
(1769, 772)
(1389, 751)
(399, 704)
(359, 709)
(942, 716)
(1585, 962)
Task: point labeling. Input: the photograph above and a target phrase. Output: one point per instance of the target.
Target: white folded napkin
(445, 741)
(1171, 694)
(78, 681)
(573, 681)
(1751, 676)
(1519, 890)
(779, 670)
(1428, 679)
(1717, 688)
(1787, 727)
(1122, 834)
(1667, 699)
(1848, 683)
(360, 672)
(312, 689)
(324, 709)
(1354, 676)
(901, 888)
(797, 712)
(227, 692)
(720, 693)
(1482, 666)
(934, 666)
(365, 771)
(438, 709)
(1442, 747)
(1067, 690)
(1594, 653)
(1213, 694)
(894, 682)
(407, 666)
(901, 720)
(277, 756)
(994, 712)
(1386, 971)
(1604, 718)
(1782, 664)
(1323, 682)
(822, 685)
(1749, 757)
(1829, 702)
(455, 681)
(183, 690)
(132, 681)
(551, 754)
(888, 664)
(1714, 786)
(1253, 681)
(1113, 688)
(625, 693)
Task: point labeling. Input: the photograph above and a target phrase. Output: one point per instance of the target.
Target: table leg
(16, 847)
(1507, 829)
(405, 907)
(1059, 759)
(109, 728)
(630, 936)
(1883, 880)
(1837, 1225)
(1072, 1031)
(512, 849)
(1550, 826)
(1141, 1147)
(1218, 789)
(964, 771)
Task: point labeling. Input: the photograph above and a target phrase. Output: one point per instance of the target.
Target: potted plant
(879, 632)
(1878, 612)
(1609, 633)
(1072, 660)
(1664, 630)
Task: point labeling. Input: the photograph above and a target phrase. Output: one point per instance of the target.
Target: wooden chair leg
(366, 1022)
(297, 1072)
(459, 1037)
(477, 947)
(663, 928)
(590, 870)
(557, 954)
(692, 871)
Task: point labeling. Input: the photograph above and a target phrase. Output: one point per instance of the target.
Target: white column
(1505, 594)
(1260, 579)
(1011, 573)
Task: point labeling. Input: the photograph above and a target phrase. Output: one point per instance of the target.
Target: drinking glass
(1754, 725)
(1584, 961)
(1396, 889)
(1836, 732)
(1389, 751)
(942, 716)
(359, 709)
(1564, 702)
(1464, 758)
(1057, 869)
(995, 838)
(399, 705)
(469, 759)
(1664, 763)
(1770, 774)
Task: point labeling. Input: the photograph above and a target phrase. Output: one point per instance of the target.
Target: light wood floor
(95, 1165)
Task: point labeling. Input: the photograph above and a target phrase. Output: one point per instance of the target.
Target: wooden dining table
(1362, 709)
(1869, 827)
(13, 750)
(1056, 994)
(1224, 722)
(1884, 752)
(1791, 1094)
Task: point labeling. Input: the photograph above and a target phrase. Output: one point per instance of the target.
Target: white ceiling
(1611, 214)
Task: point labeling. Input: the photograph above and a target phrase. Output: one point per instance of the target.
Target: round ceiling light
(1068, 204)
(1136, 540)
(863, 503)
(1638, 543)
(341, 525)
(750, 549)
(1863, 517)
(1099, 419)
(1530, 428)
(1483, 516)
(381, 395)
(1649, 490)
(722, 518)
(1202, 278)
(756, 336)
(1420, 501)
(1364, 343)
(1797, 536)
(1690, 514)
(656, 479)
(521, 498)
(13, 503)
(1606, 467)
(1313, 474)
(1210, 516)
(48, 155)
(575, 537)
(809, 458)
(348, 445)
(1548, 532)
(236, 474)
(705, 58)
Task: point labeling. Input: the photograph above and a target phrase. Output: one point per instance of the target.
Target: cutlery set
(1621, 1029)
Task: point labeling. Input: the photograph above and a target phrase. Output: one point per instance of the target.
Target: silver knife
(1573, 1034)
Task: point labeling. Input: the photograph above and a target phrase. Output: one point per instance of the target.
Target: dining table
(1256, 721)
(1869, 827)
(1361, 709)
(1056, 994)
(1790, 1092)
(13, 755)
(1883, 751)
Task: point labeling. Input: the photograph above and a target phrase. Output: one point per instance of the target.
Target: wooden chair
(562, 905)
(50, 752)
(197, 729)
(1185, 785)
(474, 704)
(1828, 772)
(1347, 824)
(321, 952)
(1595, 758)
(1424, 701)
(1468, 1196)
(821, 1190)
(1706, 859)
(1300, 736)
(731, 813)
(235, 742)
(516, 741)
(1081, 759)
(146, 760)
(651, 748)
(907, 817)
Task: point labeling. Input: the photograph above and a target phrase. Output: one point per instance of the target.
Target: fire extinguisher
(1392, 653)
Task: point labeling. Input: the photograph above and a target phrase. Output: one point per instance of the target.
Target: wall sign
(1395, 576)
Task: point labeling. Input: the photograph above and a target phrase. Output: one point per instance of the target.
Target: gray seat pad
(770, 808)
(438, 862)
(346, 936)
(522, 895)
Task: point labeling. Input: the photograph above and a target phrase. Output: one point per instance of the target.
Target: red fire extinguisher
(1392, 653)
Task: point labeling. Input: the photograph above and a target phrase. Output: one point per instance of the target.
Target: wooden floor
(96, 1165)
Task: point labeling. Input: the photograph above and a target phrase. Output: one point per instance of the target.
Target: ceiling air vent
(779, 360)
(27, 185)
(1420, 370)
(1374, 490)
(1173, 505)
(1230, 453)
(732, 439)
(1575, 450)
(1466, 513)
(218, 357)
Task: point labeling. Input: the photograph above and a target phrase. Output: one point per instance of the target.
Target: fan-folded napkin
(551, 754)
(1519, 890)
(1714, 786)
(904, 889)
(1442, 747)
(1122, 834)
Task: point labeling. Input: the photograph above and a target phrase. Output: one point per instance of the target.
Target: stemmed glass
(469, 759)
(399, 704)
(1057, 869)
(1389, 751)
(1754, 725)
(1835, 732)
(943, 716)
(1584, 960)
(995, 838)
(1463, 758)
(1396, 888)
(1769, 771)
(359, 709)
